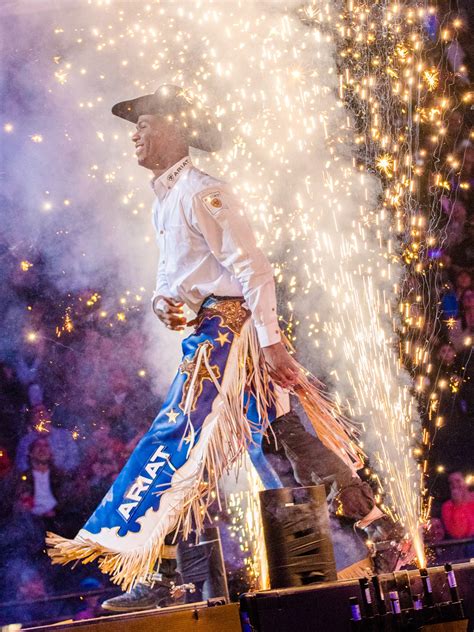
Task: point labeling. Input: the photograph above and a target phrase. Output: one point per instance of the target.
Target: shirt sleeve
(161, 288)
(220, 218)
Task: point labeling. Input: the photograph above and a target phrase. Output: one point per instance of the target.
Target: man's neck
(169, 161)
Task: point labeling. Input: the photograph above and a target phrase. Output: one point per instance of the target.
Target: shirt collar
(168, 179)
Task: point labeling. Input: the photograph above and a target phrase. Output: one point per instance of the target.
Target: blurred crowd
(75, 398)
(451, 412)
(74, 401)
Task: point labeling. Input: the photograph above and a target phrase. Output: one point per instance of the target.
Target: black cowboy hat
(176, 104)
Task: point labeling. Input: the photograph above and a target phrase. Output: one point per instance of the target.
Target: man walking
(235, 372)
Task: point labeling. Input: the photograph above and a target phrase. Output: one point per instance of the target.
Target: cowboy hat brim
(202, 134)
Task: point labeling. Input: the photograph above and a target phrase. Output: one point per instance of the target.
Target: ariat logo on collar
(173, 174)
(214, 202)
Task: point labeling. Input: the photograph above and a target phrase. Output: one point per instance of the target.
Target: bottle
(452, 583)
(395, 602)
(366, 597)
(379, 596)
(456, 606)
(427, 590)
(418, 617)
(418, 602)
(356, 616)
(396, 609)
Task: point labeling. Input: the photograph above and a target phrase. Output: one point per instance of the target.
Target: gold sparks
(36, 138)
(25, 265)
(93, 299)
(385, 164)
(67, 325)
(247, 530)
(42, 426)
(274, 127)
(61, 76)
(450, 323)
(431, 78)
(402, 51)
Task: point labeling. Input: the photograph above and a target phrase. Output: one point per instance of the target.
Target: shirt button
(161, 232)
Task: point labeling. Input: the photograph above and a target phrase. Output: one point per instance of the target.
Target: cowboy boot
(390, 546)
(157, 590)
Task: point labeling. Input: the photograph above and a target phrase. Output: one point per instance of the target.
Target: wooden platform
(196, 617)
(316, 608)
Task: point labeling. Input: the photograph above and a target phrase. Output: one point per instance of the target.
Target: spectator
(31, 593)
(462, 181)
(450, 302)
(98, 479)
(39, 487)
(463, 282)
(456, 129)
(64, 449)
(458, 512)
(35, 394)
(21, 532)
(457, 60)
(462, 332)
(12, 399)
(434, 531)
(101, 441)
(5, 463)
(463, 255)
(28, 363)
(447, 354)
(457, 214)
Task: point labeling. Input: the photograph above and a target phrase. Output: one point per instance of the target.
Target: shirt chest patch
(214, 202)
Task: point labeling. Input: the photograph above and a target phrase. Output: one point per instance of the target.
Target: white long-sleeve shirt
(208, 247)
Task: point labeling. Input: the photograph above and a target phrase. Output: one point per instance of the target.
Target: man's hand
(282, 368)
(170, 312)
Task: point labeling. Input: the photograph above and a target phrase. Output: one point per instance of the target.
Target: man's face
(468, 300)
(435, 530)
(463, 280)
(447, 354)
(153, 138)
(41, 451)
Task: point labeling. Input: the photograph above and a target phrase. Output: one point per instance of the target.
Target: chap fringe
(229, 435)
